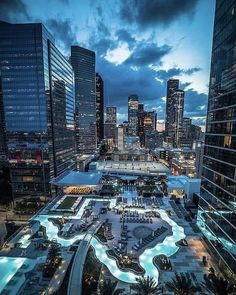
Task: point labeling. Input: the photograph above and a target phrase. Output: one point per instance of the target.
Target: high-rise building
(172, 86)
(83, 63)
(99, 107)
(120, 138)
(133, 106)
(175, 131)
(217, 204)
(37, 107)
(141, 115)
(111, 116)
(110, 131)
(186, 139)
(187, 122)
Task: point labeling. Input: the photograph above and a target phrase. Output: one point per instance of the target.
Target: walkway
(76, 274)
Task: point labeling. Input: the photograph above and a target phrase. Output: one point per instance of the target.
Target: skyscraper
(176, 126)
(37, 105)
(172, 86)
(99, 107)
(174, 111)
(217, 205)
(133, 106)
(111, 116)
(83, 63)
(110, 125)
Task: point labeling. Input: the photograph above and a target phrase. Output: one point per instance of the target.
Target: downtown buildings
(217, 205)
(37, 108)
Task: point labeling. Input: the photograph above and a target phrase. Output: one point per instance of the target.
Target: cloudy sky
(139, 45)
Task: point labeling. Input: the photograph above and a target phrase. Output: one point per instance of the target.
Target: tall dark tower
(217, 204)
(99, 107)
(83, 63)
(37, 108)
(172, 86)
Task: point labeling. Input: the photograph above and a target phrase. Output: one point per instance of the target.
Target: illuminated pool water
(24, 241)
(9, 266)
(52, 230)
(168, 247)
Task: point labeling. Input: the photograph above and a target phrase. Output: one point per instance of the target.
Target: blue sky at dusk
(139, 45)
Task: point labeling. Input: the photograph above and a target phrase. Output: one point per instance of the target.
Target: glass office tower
(217, 205)
(37, 106)
(83, 63)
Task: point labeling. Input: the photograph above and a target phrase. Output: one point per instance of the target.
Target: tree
(108, 287)
(145, 286)
(217, 285)
(181, 285)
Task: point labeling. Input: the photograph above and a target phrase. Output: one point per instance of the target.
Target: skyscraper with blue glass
(83, 63)
(217, 205)
(37, 101)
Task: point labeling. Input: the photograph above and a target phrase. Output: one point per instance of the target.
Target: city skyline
(95, 197)
(140, 60)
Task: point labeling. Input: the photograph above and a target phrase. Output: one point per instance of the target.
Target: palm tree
(145, 286)
(217, 285)
(181, 285)
(108, 287)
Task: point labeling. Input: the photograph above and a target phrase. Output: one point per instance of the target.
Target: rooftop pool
(168, 247)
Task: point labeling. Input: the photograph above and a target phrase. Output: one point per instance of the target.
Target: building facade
(217, 205)
(37, 105)
(83, 63)
(133, 107)
(99, 107)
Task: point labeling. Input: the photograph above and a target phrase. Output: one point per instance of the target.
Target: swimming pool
(168, 247)
(52, 230)
(9, 267)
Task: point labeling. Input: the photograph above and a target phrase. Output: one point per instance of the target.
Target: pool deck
(183, 259)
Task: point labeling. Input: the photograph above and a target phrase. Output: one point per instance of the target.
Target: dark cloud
(165, 75)
(102, 45)
(146, 13)
(185, 85)
(62, 31)
(147, 54)
(195, 104)
(13, 10)
(124, 35)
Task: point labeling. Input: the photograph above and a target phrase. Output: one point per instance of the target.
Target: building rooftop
(78, 178)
